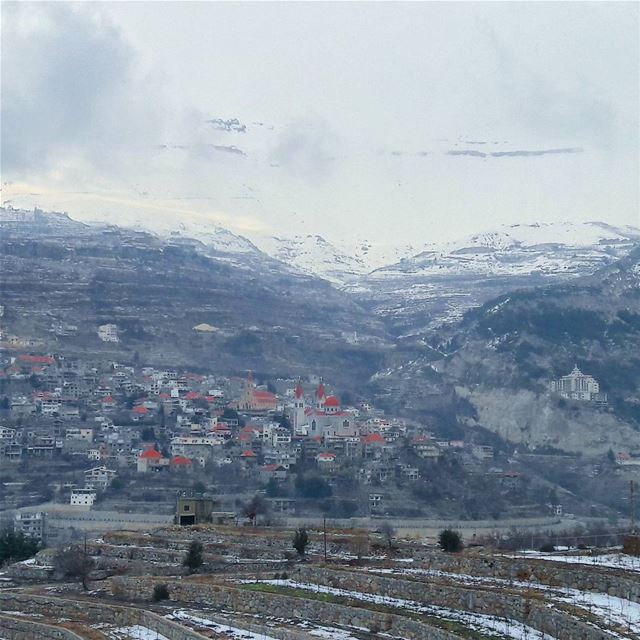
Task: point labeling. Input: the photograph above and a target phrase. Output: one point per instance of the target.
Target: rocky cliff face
(503, 355)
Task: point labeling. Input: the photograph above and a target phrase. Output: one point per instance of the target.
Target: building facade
(578, 386)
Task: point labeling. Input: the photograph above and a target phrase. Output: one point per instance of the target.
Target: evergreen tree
(450, 541)
(194, 558)
(300, 541)
(16, 546)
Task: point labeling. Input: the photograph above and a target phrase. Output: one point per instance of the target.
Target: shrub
(194, 558)
(160, 592)
(450, 541)
(300, 541)
(547, 547)
(16, 546)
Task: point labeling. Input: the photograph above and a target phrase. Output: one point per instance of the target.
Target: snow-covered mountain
(162, 224)
(413, 287)
(214, 236)
(546, 249)
(444, 280)
(552, 249)
(314, 255)
(340, 263)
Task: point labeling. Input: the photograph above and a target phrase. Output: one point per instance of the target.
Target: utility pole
(324, 525)
(632, 505)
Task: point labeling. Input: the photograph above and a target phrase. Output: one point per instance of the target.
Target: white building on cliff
(578, 386)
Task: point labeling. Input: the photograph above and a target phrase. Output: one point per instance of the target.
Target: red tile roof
(151, 454)
(264, 395)
(36, 359)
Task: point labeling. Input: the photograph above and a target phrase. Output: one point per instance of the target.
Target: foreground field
(252, 587)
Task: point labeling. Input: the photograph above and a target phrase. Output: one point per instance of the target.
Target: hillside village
(104, 437)
(95, 429)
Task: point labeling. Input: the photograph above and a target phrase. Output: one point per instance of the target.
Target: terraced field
(248, 590)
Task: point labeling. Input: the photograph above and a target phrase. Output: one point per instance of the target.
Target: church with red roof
(255, 400)
(321, 415)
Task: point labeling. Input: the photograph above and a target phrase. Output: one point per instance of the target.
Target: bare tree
(74, 562)
(257, 506)
(360, 544)
(388, 533)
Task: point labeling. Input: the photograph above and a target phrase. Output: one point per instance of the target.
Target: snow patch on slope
(547, 249)
(314, 255)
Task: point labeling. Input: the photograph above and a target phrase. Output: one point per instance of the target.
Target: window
(186, 507)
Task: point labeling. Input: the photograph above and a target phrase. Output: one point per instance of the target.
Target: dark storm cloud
(67, 86)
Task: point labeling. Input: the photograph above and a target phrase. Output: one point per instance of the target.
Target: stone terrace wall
(96, 612)
(531, 611)
(145, 562)
(19, 629)
(281, 606)
(83, 610)
(213, 544)
(615, 582)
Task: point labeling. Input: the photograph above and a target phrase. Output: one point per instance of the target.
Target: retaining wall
(533, 611)
(87, 612)
(615, 582)
(19, 629)
(282, 606)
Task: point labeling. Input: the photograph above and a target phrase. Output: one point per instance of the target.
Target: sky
(394, 122)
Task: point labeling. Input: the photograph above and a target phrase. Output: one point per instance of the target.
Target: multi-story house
(98, 478)
(31, 524)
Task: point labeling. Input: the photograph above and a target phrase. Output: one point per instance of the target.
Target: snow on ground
(135, 632)
(614, 560)
(486, 624)
(182, 616)
(321, 631)
(613, 610)
(331, 633)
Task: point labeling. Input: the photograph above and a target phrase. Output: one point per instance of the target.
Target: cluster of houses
(105, 417)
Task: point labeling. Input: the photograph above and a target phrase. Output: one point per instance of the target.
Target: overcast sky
(390, 121)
